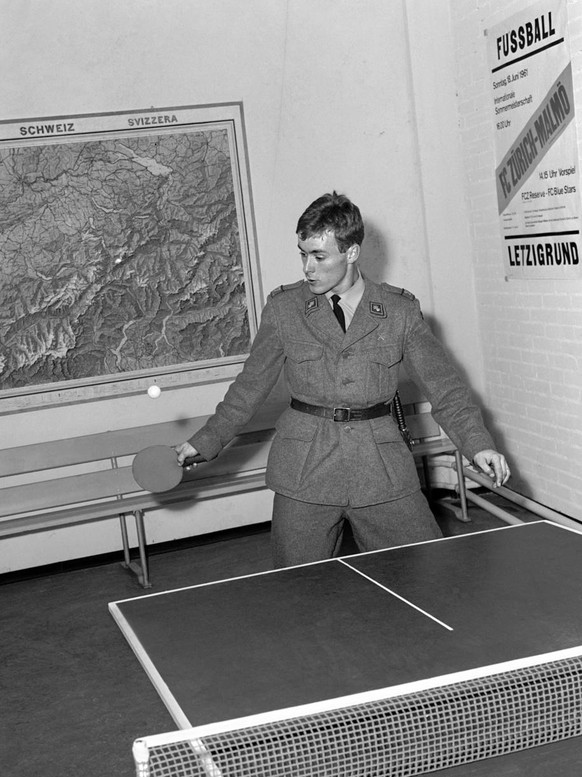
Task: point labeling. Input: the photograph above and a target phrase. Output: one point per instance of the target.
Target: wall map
(126, 246)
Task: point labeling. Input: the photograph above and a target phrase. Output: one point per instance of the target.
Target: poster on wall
(127, 251)
(537, 175)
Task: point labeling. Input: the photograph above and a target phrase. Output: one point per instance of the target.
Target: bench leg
(124, 540)
(141, 569)
(426, 475)
(464, 516)
(463, 513)
(143, 554)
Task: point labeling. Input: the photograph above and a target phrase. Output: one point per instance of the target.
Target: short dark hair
(336, 213)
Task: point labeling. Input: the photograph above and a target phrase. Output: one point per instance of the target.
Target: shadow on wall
(374, 258)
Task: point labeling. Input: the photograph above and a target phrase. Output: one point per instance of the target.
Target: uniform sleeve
(429, 366)
(248, 391)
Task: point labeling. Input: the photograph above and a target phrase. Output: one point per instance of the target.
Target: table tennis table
(404, 661)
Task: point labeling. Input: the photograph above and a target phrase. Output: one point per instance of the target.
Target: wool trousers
(302, 532)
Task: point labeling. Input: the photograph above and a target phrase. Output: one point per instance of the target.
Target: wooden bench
(105, 488)
(88, 478)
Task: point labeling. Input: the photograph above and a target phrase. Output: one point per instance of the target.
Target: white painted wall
(448, 244)
(356, 95)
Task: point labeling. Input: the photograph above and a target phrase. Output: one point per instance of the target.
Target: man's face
(325, 267)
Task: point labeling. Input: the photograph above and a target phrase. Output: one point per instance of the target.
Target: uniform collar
(351, 298)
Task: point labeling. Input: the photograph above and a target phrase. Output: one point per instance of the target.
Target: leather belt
(343, 414)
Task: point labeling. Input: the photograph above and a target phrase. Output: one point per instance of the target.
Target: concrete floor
(73, 695)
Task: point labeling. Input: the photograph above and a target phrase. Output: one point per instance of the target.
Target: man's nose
(308, 265)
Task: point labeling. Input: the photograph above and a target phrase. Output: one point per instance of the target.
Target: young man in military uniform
(338, 453)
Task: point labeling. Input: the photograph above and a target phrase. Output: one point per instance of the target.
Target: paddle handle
(198, 459)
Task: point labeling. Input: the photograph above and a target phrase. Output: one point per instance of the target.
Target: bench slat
(434, 447)
(248, 452)
(117, 443)
(206, 488)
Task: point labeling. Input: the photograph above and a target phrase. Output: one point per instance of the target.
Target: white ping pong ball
(154, 391)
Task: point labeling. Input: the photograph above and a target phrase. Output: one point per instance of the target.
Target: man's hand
(494, 465)
(185, 451)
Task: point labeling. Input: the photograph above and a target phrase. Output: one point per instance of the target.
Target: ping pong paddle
(156, 468)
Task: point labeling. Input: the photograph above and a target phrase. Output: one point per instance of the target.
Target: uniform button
(347, 428)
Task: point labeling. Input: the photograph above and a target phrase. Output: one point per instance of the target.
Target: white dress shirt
(350, 299)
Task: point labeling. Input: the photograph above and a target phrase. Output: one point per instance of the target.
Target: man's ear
(353, 253)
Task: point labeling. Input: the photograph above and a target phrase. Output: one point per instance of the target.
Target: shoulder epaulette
(398, 290)
(286, 287)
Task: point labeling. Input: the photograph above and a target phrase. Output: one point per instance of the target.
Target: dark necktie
(337, 309)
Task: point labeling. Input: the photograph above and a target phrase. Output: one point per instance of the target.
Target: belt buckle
(341, 414)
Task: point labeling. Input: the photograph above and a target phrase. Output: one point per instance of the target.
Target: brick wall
(530, 330)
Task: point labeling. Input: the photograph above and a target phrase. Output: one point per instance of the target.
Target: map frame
(229, 117)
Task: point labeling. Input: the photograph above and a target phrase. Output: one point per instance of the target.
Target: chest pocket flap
(387, 356)
(303, 352)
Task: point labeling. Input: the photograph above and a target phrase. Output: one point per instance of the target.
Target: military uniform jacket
(322, 461)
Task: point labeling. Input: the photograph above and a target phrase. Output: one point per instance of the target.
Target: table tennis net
(400, 736)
